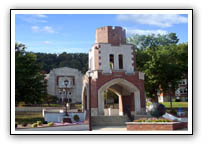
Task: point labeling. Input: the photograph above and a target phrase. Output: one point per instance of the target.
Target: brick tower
(112, 66)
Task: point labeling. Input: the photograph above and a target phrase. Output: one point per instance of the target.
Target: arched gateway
(127, 92)
(112, 66)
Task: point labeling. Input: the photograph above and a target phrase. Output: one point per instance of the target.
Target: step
(109, 120)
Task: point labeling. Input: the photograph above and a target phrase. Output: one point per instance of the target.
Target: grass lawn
(28, 117)
(174, 104)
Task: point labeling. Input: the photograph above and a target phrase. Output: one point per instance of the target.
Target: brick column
(101, 103)
(137, 103)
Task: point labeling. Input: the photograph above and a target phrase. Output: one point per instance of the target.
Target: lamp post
(66, 82)
(60, 99)
(89, 78)
(169, 90)
(69, 101)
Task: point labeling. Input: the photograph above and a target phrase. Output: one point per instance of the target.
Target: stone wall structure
(56, 86)
(112, 66)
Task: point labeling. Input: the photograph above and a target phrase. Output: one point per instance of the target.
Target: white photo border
(189, 12)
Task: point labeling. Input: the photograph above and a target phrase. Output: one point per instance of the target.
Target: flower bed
(50, 124)
(153, 120)
(154, 124)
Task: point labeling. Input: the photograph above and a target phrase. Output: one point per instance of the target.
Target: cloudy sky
(56, 33)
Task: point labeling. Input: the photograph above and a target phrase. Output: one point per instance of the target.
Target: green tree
(161, 59)
(163, 65)
(30, 86)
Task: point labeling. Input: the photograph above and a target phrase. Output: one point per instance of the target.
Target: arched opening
(111, 103)
(128, 94)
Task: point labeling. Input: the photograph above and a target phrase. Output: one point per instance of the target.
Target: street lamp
(89, 79)
(169, 90)
(66, 82)
(60, 99)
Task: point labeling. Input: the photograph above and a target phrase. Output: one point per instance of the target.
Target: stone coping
(112, 45)
(152, 122)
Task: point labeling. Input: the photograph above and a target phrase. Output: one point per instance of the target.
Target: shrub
(24, 124)
(76, 118)
(44, 122)
(173, 111)
(39, 122)
(66, 120)
(140, 120)
(21, 104)
(50, 124)
(151, 121)
(165, 120)
(34, 125)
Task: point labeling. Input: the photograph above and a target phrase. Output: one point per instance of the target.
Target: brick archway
(126, 85)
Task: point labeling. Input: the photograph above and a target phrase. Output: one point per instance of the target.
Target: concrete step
(109, 120)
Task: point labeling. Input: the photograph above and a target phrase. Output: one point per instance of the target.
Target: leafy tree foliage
(163, 66)
(143, 42)
(162, 60)
(30, 86)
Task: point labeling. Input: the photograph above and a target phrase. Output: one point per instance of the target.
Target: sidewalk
(59, 128)
(109, 128)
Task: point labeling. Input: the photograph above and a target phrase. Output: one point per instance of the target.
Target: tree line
(49, 61)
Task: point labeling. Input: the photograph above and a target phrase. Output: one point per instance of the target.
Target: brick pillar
(137, 103)
(101, 103)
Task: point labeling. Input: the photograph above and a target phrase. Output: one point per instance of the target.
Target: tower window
(111, 61)
(120, 61)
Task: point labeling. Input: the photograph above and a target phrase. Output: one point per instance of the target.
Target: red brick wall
(108, 34)
(102, 79)
(129, 100)
(151, 126)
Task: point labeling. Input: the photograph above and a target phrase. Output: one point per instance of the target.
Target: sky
(75, 33)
